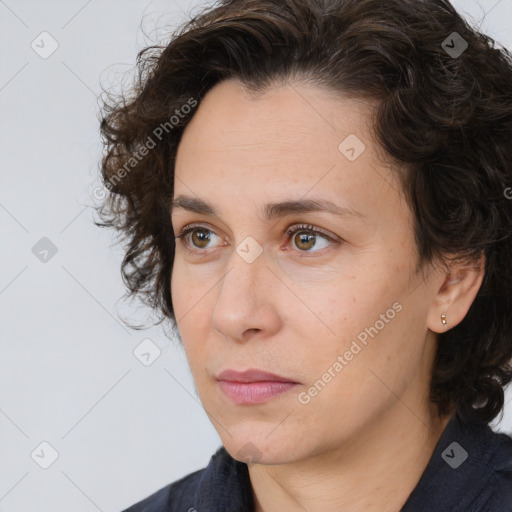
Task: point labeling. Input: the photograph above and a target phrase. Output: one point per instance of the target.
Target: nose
(247, 303)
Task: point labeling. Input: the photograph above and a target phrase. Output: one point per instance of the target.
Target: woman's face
(336, 308)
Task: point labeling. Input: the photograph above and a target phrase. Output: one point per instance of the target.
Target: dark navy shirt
(470, 471)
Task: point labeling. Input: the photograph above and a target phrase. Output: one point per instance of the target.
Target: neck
(375, 471)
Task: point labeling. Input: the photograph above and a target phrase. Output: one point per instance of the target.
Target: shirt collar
(225, 485)
(456, 473)
(460, 467)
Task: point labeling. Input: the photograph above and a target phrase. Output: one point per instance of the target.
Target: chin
(261, 448)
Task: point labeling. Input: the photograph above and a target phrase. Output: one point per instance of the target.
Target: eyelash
(292, 230)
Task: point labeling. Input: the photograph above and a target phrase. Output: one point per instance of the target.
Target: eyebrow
(270, 210)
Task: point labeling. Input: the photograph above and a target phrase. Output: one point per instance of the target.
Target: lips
(252, 376)
(253, 386)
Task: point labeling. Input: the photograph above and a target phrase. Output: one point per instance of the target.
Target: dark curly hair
(443, 92)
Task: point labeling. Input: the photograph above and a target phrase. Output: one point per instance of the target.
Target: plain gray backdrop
(85, 425)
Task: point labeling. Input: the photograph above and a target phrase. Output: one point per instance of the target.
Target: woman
(317, 195)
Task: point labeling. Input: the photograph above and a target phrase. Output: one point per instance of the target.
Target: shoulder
(469, 471)
(223, 483)
(173, 494)
(176, 495)
(496, 495)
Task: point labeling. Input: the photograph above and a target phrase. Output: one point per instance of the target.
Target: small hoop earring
(443, 319)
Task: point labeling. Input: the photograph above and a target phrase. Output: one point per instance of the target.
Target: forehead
(280, 118)
(292, 139)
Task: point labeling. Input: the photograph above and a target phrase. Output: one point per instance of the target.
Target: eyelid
(193, 225)
(301, 226)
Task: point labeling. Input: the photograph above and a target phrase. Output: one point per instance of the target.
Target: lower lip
(254, 392)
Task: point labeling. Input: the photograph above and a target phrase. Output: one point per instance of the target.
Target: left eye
(304, 237)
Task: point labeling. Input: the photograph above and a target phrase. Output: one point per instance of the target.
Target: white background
(68, 375)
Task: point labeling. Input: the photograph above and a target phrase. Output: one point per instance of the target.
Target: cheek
(180, 297)
(360, 317)
(192, 317)
(188, 289)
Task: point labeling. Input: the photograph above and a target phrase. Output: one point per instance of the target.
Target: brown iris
(203, 238)
(302, 237)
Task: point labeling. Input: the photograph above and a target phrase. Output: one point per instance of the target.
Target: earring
(443, 319)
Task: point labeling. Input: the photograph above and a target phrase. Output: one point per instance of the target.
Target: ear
(456, 294)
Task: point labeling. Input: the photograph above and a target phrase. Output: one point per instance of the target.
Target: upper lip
(252, 375)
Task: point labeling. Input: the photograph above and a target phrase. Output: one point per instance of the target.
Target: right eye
(196, 237)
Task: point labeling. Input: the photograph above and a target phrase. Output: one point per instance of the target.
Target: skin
(364, 440)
